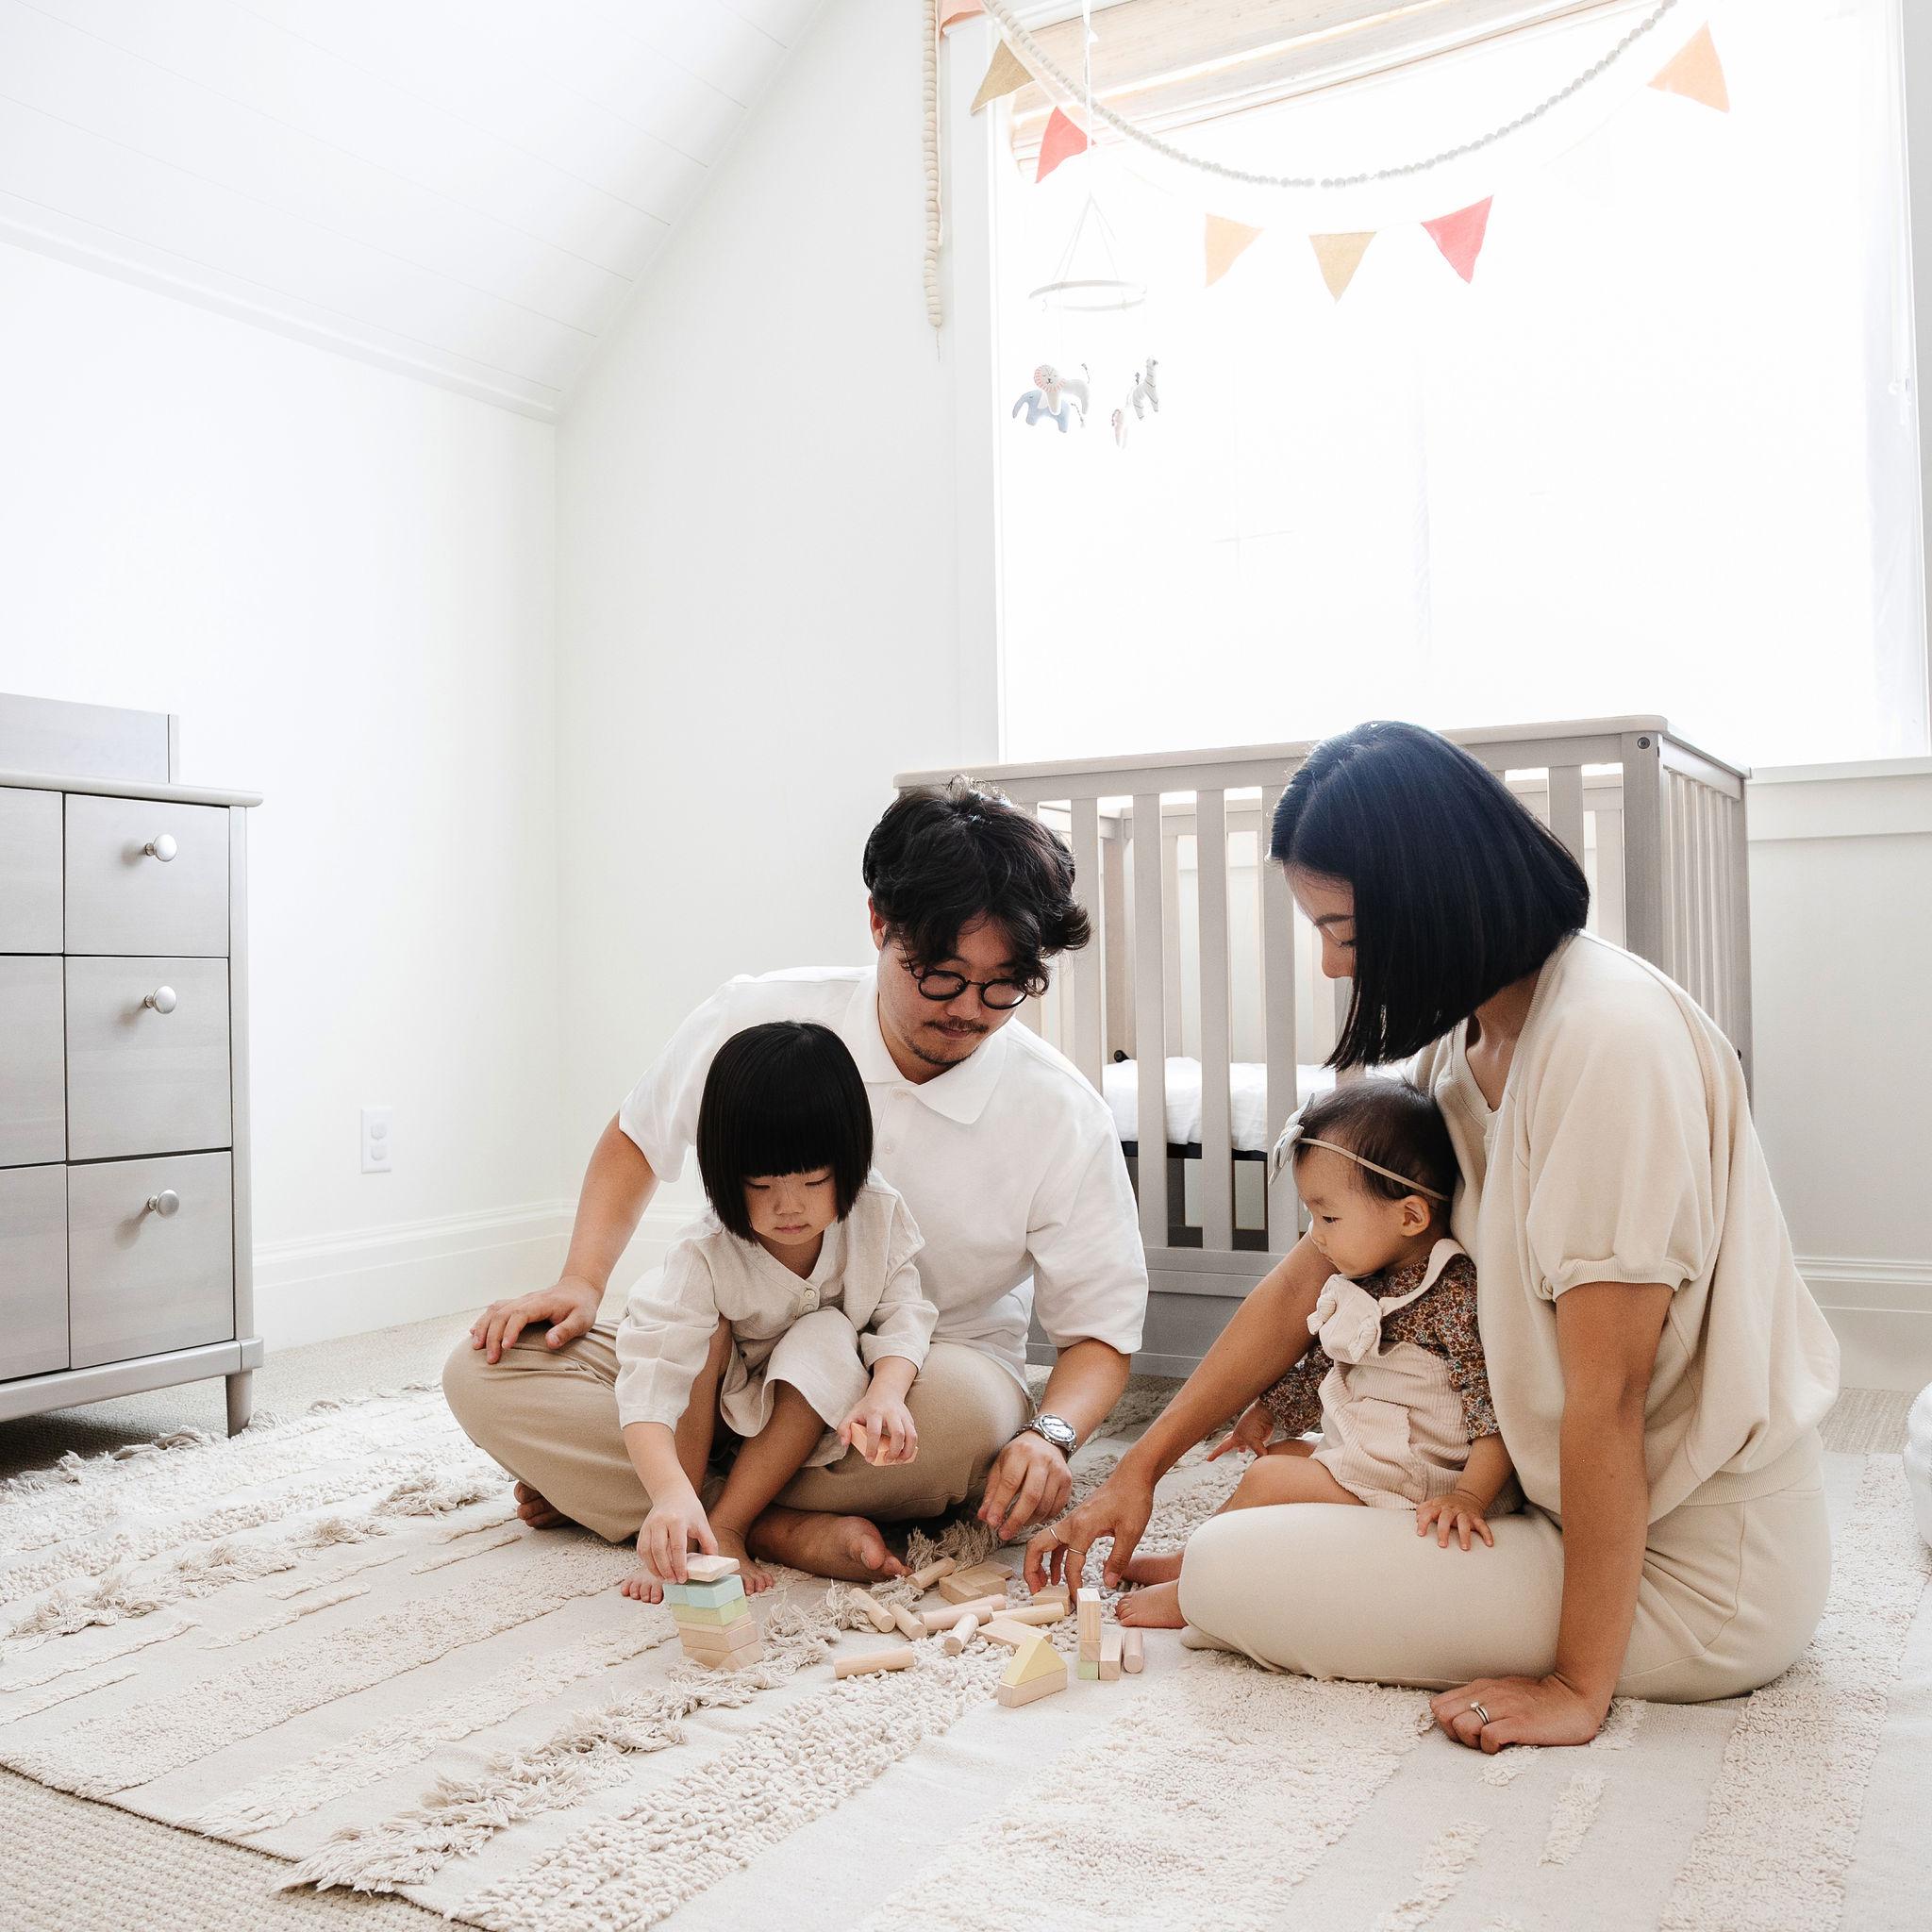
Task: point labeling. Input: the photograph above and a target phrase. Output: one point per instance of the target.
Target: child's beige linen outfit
(822, 1332)
(1399, 1402)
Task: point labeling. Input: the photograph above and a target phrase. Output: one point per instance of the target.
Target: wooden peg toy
(980, 1606)
(961, 1634)
(907, 1622)
(881, 1617)
(900, 1659)
(929, 1574)
(1133, 1656)
(1051, 1611)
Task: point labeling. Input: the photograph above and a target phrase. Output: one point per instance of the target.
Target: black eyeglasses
(997, 995)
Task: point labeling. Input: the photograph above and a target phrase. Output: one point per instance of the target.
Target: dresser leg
(240, 1400)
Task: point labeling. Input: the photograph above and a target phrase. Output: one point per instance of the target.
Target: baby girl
(1393, 1378)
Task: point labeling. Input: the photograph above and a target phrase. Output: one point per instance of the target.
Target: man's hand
(570, 1305)
(1028, 1484)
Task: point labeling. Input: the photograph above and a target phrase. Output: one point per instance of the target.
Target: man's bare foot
(848, 1547)
(1157, 1607)
(732, 1544)
(536, 1512)
(1153, 1569)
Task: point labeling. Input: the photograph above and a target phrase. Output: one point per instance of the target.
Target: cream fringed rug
(328, 1641)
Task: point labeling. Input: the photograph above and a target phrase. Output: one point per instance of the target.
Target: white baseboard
(317, 1289)
(1881, 1312)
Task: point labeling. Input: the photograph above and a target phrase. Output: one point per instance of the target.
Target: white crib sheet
(1247, 1086)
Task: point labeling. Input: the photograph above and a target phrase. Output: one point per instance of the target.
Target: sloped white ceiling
(465, 190)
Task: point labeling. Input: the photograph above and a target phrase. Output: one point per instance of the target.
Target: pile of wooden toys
(713, 1614)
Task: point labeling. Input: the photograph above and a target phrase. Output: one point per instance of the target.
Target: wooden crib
(1199, 1009)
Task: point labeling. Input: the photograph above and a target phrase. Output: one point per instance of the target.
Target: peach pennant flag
(953, 11)
(1460, 236)
(1697, 73)
(1339, 256)
(1004, 74)
(1062, 141)
(1226, 239)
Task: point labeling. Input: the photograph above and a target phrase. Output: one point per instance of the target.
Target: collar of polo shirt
(959, 1093)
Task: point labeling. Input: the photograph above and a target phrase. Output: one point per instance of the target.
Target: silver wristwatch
(1057, 1430)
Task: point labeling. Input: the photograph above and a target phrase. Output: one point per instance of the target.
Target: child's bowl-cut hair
(1393, 1122)
(782, 1098)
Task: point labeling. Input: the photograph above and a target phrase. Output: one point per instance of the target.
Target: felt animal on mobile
(1144, 390)
(1120, 427)
(1055, 397)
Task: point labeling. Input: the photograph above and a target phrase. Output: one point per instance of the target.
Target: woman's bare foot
(536, 1512)
(1153, 1569)
(732, 1544)
(848, 1547)
(1157, 1607)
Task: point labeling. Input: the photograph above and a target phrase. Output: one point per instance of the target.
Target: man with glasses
(1006, 1156)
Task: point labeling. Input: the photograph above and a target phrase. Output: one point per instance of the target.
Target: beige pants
(549, 1416)
(1730, 1594)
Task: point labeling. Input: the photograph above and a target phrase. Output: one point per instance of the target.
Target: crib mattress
(1247, 1092)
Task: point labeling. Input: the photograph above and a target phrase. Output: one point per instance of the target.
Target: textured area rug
(329, 1640)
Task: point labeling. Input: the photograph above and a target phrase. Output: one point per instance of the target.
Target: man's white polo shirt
(1008, 1161)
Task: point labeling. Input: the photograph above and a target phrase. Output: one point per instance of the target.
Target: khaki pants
(549, 1416)
(1730, 1594)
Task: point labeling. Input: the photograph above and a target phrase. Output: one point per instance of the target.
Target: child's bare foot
(1153, 1569)
(643, 1587)
(1157, 1607)
(536, 1511)
(848, 1547)
(732, 1544)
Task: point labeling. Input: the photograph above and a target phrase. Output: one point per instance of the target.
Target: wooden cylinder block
(899, 1660)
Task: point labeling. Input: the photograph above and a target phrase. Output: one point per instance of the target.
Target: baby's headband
(1293, 1137)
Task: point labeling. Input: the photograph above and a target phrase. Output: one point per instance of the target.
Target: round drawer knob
(162, 999)
(167, 1202)
(162, 848)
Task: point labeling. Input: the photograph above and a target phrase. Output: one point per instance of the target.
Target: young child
(1394, 1379)
(792, 1311)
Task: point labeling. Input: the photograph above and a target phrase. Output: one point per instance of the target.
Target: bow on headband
(1293, 1137)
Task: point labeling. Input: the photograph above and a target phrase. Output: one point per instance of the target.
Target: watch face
(1056, 1432)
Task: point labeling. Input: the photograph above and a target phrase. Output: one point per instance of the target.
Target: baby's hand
(674, 1524)
(881, 1429)
(1252, 1434)
(1458, 1512)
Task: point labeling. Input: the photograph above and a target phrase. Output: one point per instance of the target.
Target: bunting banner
(1225, 242)
(1062, 141)
(1697, 73)
(1004, 75)
(1460, 236)
(953, 11)
(1340, 255)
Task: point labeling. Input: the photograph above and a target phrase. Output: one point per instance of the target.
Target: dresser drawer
(29, 871)
(122, 898)
(33, 1120)
(141, 1280)
(146, 1078)
(33, 1271)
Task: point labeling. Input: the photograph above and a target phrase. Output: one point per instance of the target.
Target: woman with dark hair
(1657, 1367)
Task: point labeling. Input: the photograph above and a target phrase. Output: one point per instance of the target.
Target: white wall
(343, 579)
(758, 568)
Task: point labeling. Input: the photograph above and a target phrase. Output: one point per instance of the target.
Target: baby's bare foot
(536, 1511)
(1153, 1569)
(1157, 1607)
(842, 1546)
(732, 1544)
(643, 1587)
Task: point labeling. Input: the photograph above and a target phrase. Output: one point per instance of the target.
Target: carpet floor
(948, 1789)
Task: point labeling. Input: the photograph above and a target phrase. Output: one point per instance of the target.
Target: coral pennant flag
(1460, 236)
(1062, 141)
(1339, 256)
(953, 11)
(1225, 241)
(1004, 75)
(1697, 73)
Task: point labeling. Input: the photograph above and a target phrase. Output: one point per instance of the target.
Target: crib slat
(1644, 870)
(1566, 806)
(1609, 875)
(1089, 967)
(1217, 1155)
(1277, 1006)
(1739, 917)
(1170, 933)
(1150, 1018)
(1118, 1010)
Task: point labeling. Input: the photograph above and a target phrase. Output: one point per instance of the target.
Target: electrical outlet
(376, 1152)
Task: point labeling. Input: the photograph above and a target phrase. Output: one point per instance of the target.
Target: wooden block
(742, 1648)
(738, 1636)
(906, 1623)
(710, 1569)
(1036, 1659)
(1052, 1592)
(1050, 1611)
(705, 1595)
(728, 1659)
(1110, 1653)
(1013, 1696)
(1088, 1670)
(1090, 1613)
(711, 1616)
(982, 1579)
(881, 1617)
(929, 1574)
(979, 1607)
(1003, 1630)
(1133, 1658)
(961, 1634)
(900, 1659)
(863, 1443)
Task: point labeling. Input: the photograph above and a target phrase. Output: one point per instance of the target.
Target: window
(1659, 455)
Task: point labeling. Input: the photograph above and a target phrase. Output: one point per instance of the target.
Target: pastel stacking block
(710, 1569)
(1088, 1670)
(705, 1595)
(728, 1659)
(711, 1645)
(712, 1616)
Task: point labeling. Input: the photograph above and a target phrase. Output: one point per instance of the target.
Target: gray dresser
(125, 1243)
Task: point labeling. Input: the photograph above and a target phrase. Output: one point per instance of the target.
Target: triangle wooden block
(1697, 73)
(1032, 1661)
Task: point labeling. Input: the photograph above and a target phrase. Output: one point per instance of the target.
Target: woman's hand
(569, 1304)
(1252, 1434)
(881, 1429)
(1455, 1514)
(1521, 1710)
(675, 1521)
(1119, 1509)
